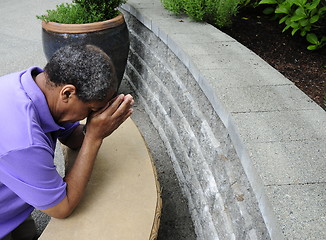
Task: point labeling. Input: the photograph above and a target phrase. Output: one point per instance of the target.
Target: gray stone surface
(285, 163)
(299, 209)
(176, 222)
(282, 126)
(276, 130)
(220, 198)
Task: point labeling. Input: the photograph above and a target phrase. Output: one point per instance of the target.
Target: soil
(286, 53)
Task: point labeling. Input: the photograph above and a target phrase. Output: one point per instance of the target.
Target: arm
(100, 125)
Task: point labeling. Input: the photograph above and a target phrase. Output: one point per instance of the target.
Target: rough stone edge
(253, 177)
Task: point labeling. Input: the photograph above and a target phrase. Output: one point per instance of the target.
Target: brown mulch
(306, 69)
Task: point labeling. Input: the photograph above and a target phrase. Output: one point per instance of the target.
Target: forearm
(81, 171)
(100, 125)
(77, 179)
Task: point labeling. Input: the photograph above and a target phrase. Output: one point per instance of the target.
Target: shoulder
(21, 129)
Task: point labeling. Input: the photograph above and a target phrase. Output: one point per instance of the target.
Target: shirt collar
(37, 97)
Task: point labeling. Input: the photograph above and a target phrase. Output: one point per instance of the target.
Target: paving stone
(300, 209)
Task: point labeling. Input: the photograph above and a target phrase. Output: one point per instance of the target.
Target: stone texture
(230, 122)
(300, 209)
(222, 203)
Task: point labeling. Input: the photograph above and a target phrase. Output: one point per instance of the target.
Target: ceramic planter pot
(112, 36)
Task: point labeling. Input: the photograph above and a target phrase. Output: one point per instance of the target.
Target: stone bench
(122, 200)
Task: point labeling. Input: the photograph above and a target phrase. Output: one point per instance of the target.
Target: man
(38, 107)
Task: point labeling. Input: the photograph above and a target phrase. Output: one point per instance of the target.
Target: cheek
(81, 113)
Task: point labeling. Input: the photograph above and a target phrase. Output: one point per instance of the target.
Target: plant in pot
(96, 22)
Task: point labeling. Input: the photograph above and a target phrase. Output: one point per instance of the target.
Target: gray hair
(86, 67)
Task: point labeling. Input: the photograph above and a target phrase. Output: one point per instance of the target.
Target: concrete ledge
(122, 199)
(246, 144)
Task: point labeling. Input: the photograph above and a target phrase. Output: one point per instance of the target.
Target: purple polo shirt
(28, 135)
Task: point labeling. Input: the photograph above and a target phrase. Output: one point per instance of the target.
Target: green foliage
(303, 16)
(66, 13)
(218, 12)
(102, 9)
(83, 11)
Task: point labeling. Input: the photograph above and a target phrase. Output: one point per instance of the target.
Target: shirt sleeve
(31, 174)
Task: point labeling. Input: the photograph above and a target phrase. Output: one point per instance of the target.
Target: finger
(113, 105)
(127, 115)
(128, 97)
(123, 108)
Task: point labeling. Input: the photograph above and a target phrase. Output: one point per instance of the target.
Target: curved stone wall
(233, 126)
(221, 200)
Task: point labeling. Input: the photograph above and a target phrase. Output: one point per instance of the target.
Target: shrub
(304, 16)
(102, 9)
(218, 12)
(83, 11)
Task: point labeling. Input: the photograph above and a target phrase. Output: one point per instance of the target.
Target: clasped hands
(102, 123)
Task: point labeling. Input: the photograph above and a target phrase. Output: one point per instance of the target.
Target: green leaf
(312, 38)
(307, 28)
(281, 9)
(304, 22)
(313, 11)
(300, 2)
(286, 28)
(314, 19)
(300, 12)
(322, 9)
(288, 21)
(268, 10)
(294, 25)
(296, 18)
(303, 33)
(312, 47)
(268, 2)
(312, 5)
(288, 3)
(294, 31)
(283, 19)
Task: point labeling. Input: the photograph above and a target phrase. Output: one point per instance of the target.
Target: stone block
(302, 161)
(244, 77)
(281, 126)
(300, 209)
(264, 98)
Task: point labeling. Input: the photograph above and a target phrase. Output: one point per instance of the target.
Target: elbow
(63, 213)
(61, 210)
(59, 214)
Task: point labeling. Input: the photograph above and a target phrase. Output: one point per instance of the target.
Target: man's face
(79, 110)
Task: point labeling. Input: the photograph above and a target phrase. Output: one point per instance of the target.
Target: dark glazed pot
(112, 36)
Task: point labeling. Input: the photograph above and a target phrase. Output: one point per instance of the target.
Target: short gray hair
(86, 67)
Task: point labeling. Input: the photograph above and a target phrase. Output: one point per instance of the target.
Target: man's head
(79, 79)
(87, 68)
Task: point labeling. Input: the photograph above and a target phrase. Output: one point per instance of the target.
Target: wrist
(89, 139)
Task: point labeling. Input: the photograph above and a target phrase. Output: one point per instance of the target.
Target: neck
(49, 93)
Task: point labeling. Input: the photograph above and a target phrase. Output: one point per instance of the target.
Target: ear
(66, 92)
